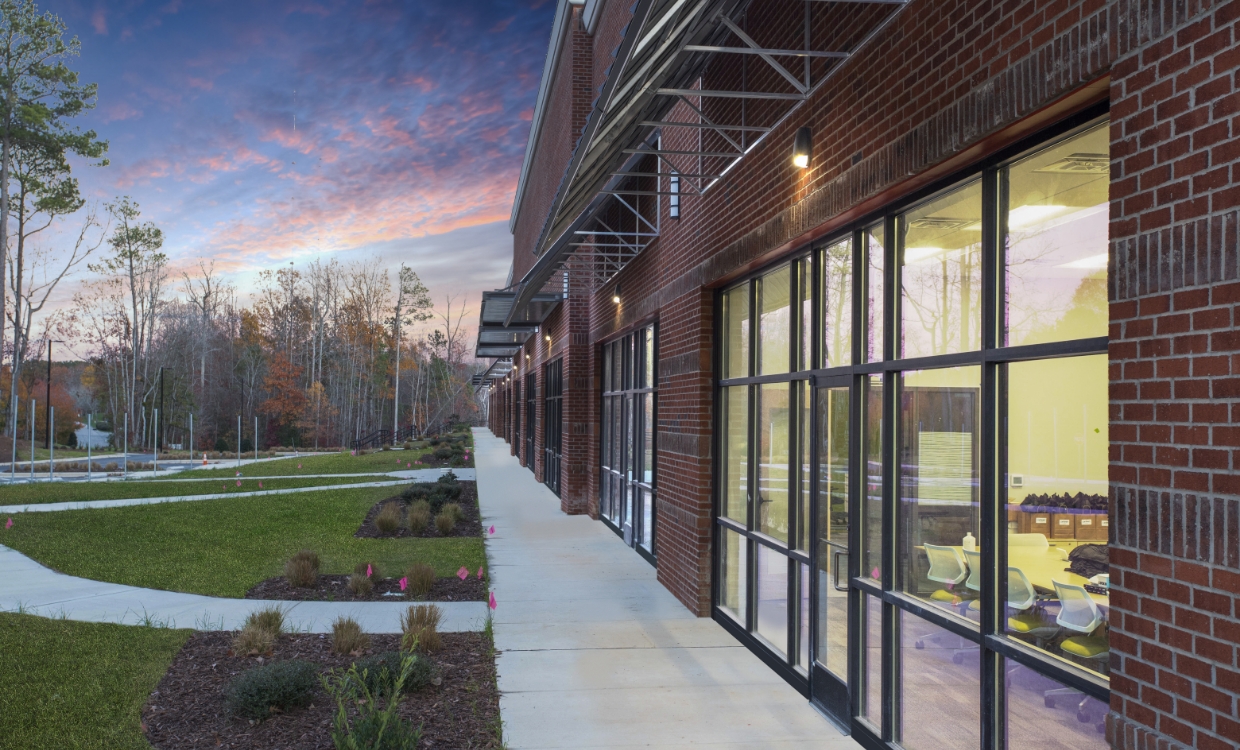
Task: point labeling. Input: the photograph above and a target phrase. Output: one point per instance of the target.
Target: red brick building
(900, 338)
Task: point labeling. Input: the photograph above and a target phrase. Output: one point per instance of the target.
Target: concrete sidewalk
(595, 653)
(29, 587)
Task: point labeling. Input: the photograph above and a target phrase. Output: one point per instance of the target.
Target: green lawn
(336, 463)
(76, 684)
(61, 492)
(223, 547)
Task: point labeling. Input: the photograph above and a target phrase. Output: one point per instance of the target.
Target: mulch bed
(187, 709)
(334, 588)
(470, 523)
(429, 461)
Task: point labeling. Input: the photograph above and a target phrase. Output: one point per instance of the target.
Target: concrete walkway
(595, 653)
(26, 586)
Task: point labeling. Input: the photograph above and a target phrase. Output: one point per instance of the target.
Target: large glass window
(899, 467)
(629, 413)
(941, 274)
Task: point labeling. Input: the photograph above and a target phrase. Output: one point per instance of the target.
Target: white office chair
(1028, 540)
(946, 566)
(1022, 597)
(1078, 612)
(974, 559)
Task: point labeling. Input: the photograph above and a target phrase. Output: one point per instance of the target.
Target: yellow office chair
(1078, 612)
(946, 566)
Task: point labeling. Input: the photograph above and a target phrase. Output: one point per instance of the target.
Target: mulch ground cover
(470, 523)
(334, 588)
(187, 709)
(428, 460)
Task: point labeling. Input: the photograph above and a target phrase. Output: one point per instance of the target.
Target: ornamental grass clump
(453, 510)
(258, 635)
(421, 577)
(361, 585)
(270, 618)
(348, 638)
(419, 517)
(389, 518)
(445, 523)
(302, 569)
(420, 627)
(259, 692)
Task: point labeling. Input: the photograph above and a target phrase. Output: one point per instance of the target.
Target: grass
(60, 492)
(78, 685)
(226, 546)
(336, 463)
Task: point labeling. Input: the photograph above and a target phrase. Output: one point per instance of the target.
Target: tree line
(322, 354)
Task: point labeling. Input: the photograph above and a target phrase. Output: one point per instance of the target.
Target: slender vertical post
(125, 450)
(191, 437)
(49, 394)
(238, 441)
(90, 418)
(51, 450)
(33, 410)
(13, 463)
(256, 438)
(155, 428)
(157, 411)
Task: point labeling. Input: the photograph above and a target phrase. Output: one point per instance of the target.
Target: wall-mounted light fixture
(615, 296)
(548, 338)
(802, 147)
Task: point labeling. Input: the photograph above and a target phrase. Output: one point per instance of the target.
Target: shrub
(415, 492)
(361, 567)
(420, 626)
(420, 578)
(347, 636)
(373, 728)
(419, 518)
(388, 520)
(270, 619)
(453, 510)
(302, 569)
(282, 685)
(445, 523)
(360, 585)
(252, 641)
(380, 672)
(387, 447)
(434, 440)
(443, 453)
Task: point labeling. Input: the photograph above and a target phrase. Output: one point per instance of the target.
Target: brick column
(1175, 379)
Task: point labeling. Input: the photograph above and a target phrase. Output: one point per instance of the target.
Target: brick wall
(1175, 378)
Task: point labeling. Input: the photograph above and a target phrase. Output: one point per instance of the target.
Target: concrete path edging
(30, 588)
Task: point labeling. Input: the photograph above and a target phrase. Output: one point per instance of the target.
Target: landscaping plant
(379, 672)
(256, 693)
(420, 577)
(389, 518)
(419, 517)
(360, 584)
(302, 569)
(444, 523)
(374, 727)
(269, 618)
(348, 638)
(453, 510)
(420, 627)
(368, 569)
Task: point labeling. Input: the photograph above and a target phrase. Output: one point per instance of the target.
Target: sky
(263, 132)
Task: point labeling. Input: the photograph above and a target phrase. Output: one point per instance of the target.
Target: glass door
(833, 499)
(531, 405)
(628, 485)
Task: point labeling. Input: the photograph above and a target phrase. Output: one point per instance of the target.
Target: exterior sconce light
(615, 296)
(548, 338)
(802, 148)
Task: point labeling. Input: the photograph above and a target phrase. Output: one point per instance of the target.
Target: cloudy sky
(262, 132)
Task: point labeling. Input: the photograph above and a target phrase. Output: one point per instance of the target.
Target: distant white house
(93, 437)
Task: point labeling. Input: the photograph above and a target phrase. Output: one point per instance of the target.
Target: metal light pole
(255, 438)
(159, 411)
(90, 434)
(33, 411)
(51, 429)
(238, 441)
(191, 437)
(51, 451)
(125, 450)
(155, 459)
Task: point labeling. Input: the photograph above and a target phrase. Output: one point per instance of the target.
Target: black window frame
(992, 357)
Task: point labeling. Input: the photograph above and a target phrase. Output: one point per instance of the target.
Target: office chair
(1021, 598)
(1079, 613)
(946, 566)
(1028, 540)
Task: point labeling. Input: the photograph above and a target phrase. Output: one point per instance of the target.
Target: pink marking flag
(491, 603)
(260, 484)
(479, 574)
(369, 572)
(491, 531)
(404, 582)
(408, 465)
(463, 573)
(398, 462)
(299, 466)
(9, 524)
(874, 573)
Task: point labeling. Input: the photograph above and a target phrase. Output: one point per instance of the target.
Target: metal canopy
(665, 49)
(496, 338)
(498, 370)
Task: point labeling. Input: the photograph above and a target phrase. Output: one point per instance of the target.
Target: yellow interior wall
(1057, 426)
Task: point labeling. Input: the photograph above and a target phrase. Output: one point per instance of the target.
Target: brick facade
(945, 85)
